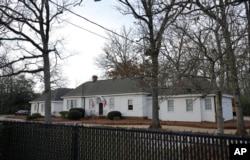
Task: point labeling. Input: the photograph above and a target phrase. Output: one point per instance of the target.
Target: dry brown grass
(140, 121)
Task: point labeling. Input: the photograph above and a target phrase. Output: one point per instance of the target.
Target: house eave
(44, 101)
(107, 95)
(181, 96)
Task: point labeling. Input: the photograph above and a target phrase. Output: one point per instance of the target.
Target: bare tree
(180, 57)
(220, 12)
(121, 57)
(245, 63)
(28, 24)
(191, 52)
(199, 39)
(153, 18)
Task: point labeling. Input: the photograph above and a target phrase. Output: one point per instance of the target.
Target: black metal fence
(38, 141)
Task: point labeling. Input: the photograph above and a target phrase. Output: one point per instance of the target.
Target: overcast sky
(86, 46)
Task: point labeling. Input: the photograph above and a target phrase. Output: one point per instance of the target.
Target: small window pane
(208, 104)
(75, 103)
(189, 105)
(35, 107)
(130, 104)
(68, 104)
(42, 107)
(111, 103)
(170, 105)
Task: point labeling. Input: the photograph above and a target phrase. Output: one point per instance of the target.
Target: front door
(100, 108)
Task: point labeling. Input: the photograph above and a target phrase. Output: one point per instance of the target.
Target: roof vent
(94, 78)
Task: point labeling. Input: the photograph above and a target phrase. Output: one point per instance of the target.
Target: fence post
(75, 133)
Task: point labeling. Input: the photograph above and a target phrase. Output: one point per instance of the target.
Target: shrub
(113, 114)
(34, 116)
(74, 114)
(30, 117)
(64, 114)
(78, 109)
(37, 115)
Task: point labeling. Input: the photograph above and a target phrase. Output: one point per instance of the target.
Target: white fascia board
(106, 95)
(183, 96)
(122, 94)
(43, 101)
(37, 102)
(70, 97)
(227, 96)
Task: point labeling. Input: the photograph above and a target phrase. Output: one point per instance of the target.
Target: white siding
(32, 109)
(120, 104)
(208, 115)
(92, 107)
(35, 107)
(137, 106)
(180, 113)
(42, 108)
(78, 103)
(56, 107)
(142, 107)
(227, 108)
(149, 110)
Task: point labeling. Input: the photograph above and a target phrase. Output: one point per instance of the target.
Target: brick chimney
(94, 78)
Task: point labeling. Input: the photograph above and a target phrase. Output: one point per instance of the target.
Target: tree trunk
(241, 130)
(47, 88)
(45, 39)
(234, 79)
(219, 113)
(247, 6)
(155, 103)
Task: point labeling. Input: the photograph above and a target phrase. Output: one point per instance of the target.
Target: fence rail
(38, 141)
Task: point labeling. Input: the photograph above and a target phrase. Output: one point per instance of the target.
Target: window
(91, 104)
(71, 103)
(35, 107)
(74, 104)
(130, 104)
(111, 103)
(208, 104)
(68, 104)
(170, 105)
(42, 107)
(189, 105)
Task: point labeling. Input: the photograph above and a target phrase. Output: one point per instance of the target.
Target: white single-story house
(38, 105)
(188, 101)
(102, 96)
